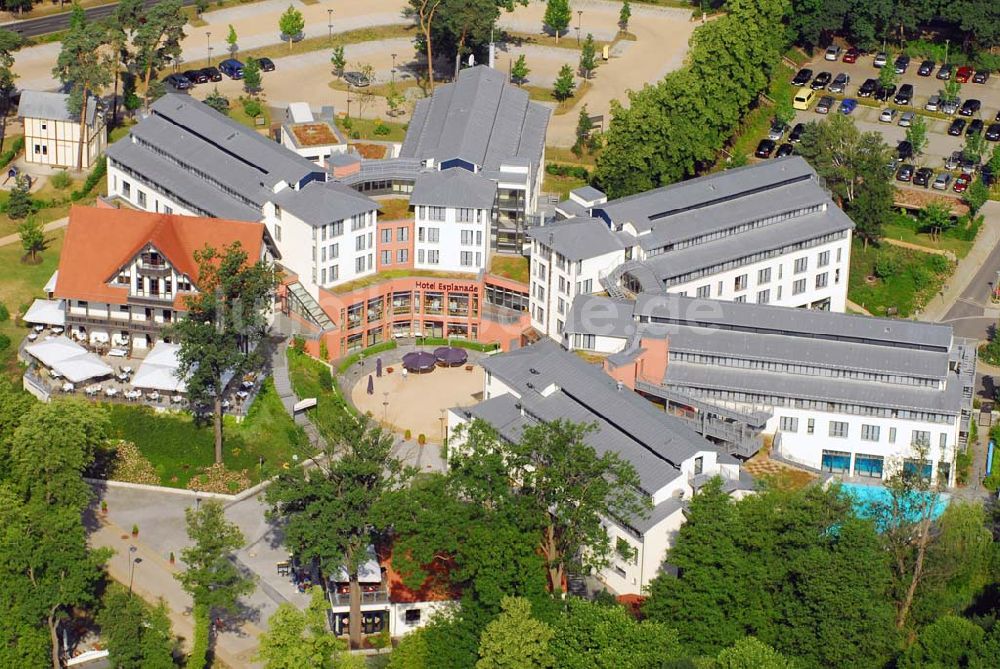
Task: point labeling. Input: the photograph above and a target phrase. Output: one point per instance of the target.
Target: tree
(976, 195)
(557, 16)
(588, 56)
(291, 24)
(83, 65)
(211, 578)
(887, 76)
(300, 638)
(916, 134)
(32, 238)
(366, 95)
(424, 11)
(226, 320)
(750, 653)
(564, 86)
(157, 40)
(624, 15)
(329, 510)
(20, 204)
(949, 641)
(231, 41)
(464, 26)
(138, 637)
(121, 27)
(519, 71)
(9, 43)
(935, 217)
(251, 76)
(584, 126)
(952, 88)
(217, 101)
(338, 60)
(515, 640)
(393, 101)
(595, 636)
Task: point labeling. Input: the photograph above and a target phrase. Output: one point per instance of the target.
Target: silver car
(941, 181)
(887, 115)
(933, 103)
(881, 58)
(839, 83)
(906, 120)
(951, 106)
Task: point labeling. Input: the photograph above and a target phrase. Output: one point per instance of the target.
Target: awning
(158, 371)
(368, 572)
(69, 359)
(50, 285)
(46, 312)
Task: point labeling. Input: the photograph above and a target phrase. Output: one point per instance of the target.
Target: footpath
(48, 227)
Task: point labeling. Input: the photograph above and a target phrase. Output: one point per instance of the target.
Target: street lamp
(947, 43)
(197, 504)
(385, 408)
(208, 43)
(579, 25)
(133, 561)
(329, 22)
(393, 68)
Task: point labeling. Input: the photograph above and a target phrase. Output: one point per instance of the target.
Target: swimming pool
(865, 496)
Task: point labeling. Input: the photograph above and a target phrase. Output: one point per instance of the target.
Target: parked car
(904, 150)
(926, 68)
(832, 52)
(765, 148)
(883, 93)
(997, 117)
(851, 55)
(178, 81)
(803, 98)
(212, 73)
(356, 79)
(232, 68)
(962, 183)
(951, 106)
(848, 105)
(933, 103)
(881, 58)
(902, 62)
(968, 165)
(906, 120)
(993, 132)
(922, 177)
(785, 149)
(963, 74)
(839, 83)
(196, 76)
(905, 95)
(266, 64)
(941, 181)
(944, 73)
(981, 77)
(887, 115)
(777, 130)
(893, 163)
(957, 127)
(868, 88)
(824, 105)
(970, 107)
(821, 81)
(975, 127)
(802, 77)
(905, 172)
(953, 161)
(796, 134)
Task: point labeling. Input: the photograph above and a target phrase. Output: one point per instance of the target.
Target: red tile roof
(100, 241)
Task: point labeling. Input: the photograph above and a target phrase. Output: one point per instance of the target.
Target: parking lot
(939, 144)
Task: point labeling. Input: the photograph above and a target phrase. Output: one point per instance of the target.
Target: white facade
(316, 152)
(56, 143)
(452, 239)
(139, 192)
(555, 281)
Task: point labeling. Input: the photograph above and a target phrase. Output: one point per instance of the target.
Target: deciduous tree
(588, 56)
(751, 653)
(515, 640)
(301, 639)
(519, 71)
(231, 38)
(624, 15)
(564, 86)
(32, 237)
(138, 636)
(291, 23)
(557, 16)
(251, 76)
(916, 134)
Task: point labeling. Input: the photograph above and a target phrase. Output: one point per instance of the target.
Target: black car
(944, 74)
(901, 64)
(997, 117)
(802, 77)
(796, 134)
(922, 177)
(975, 127)
(883, 93)
(905, 95)
(993, 132)
(196, 76)
(970, 107)
(981, 77)
(178, 81)
(868, 88)
(904, 150)
(905, 172)
(212, 73)
(957, 127)
(926, 68)
(266, 64)
(765, 148)
(785, 149)
(821, 81)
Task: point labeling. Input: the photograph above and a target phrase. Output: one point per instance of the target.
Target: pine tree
(564, 86)
(519, 71)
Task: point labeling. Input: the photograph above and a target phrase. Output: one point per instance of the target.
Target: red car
(963, 74)
(851, 55)
(962, 183)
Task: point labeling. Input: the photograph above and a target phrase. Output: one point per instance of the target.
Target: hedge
(559, 170)
(11, 153)
(458, 343)
(96, 176)
(346, 363)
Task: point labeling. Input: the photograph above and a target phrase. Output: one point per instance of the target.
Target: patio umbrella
(419, 362)
(371, 385)
(378, 367)
(451, 356)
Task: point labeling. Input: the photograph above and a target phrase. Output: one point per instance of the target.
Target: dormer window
(124, 278)
(153, 259)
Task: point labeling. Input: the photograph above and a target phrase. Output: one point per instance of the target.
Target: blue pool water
(866, 495)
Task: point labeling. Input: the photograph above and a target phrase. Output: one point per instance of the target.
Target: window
(763, 297)
(561, 306)
(870, 432)
(704, 291)
(386, 235)
(412, 616)
(585, 341)
(943, 441)
(799, 286)
(584, 287)
(741, 282)
(764, 275)
(824, 259)
(740, 298)
(466, 258)
(468, 238)
(563, 285)
(386, 257)
(869, 466)
(420, 256)
(141, 198)
(402, 255)
(277, 212)
(435, 213)
(433, 234)
(801, 265)
(45, 126)
(333, 251)
(170, 210)
(892, 435)
(836, 276)
(433, 257)
(838, 429)
(359, 243)
(322, 275)
(126, 189)
(920, 438)
(837, 462)
(359, 264)
(699, 465)
(334, 273)
(465, 215)
(789, 424)
(821, 280)
(420, 234)
(337, 229)
(811, 426)
(402, 234)
(838, 254)
(277, 230)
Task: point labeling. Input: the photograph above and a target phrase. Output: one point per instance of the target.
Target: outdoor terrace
(379, 277)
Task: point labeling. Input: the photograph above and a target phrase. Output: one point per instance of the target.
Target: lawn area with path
(910, 278)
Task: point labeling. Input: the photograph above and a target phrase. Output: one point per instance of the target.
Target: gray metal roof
(319, 203)
(660, 512)
(455, 187)
(479, 118)
(578, 238)
(52, 107)
(588, 193)
(599, 315)
(570, 208)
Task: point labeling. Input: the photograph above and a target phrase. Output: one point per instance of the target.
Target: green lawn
(364, 128)
(917, 277)
(309, 379)
(237, 114)
(179, 450)
(959, 247)
(561, 186)
(511, 267)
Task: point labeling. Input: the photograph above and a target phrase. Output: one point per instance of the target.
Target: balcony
(380, 596)
(158, 301)
(160, 271)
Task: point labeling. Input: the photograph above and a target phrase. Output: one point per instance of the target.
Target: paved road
(972, 314)
(44, 25)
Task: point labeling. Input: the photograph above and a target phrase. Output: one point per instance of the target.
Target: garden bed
(904, 279)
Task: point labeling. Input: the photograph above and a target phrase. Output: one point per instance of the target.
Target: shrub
(407, 435)
(95, 177)
(886, 265)
(11, 153)
(559, 170)
(381, 128)
(355, 134)
(298, 344)
(963, 465)
(347, 122)
(252, 108)
(61, 180)
(325, 379)
(4, 342)
(380, 640)
(199, 648)
(135, 529)
(422, 439)
(324, 351)
(4, 313)
(938, 264)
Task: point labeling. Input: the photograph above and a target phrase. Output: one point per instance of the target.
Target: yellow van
(803, 98)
